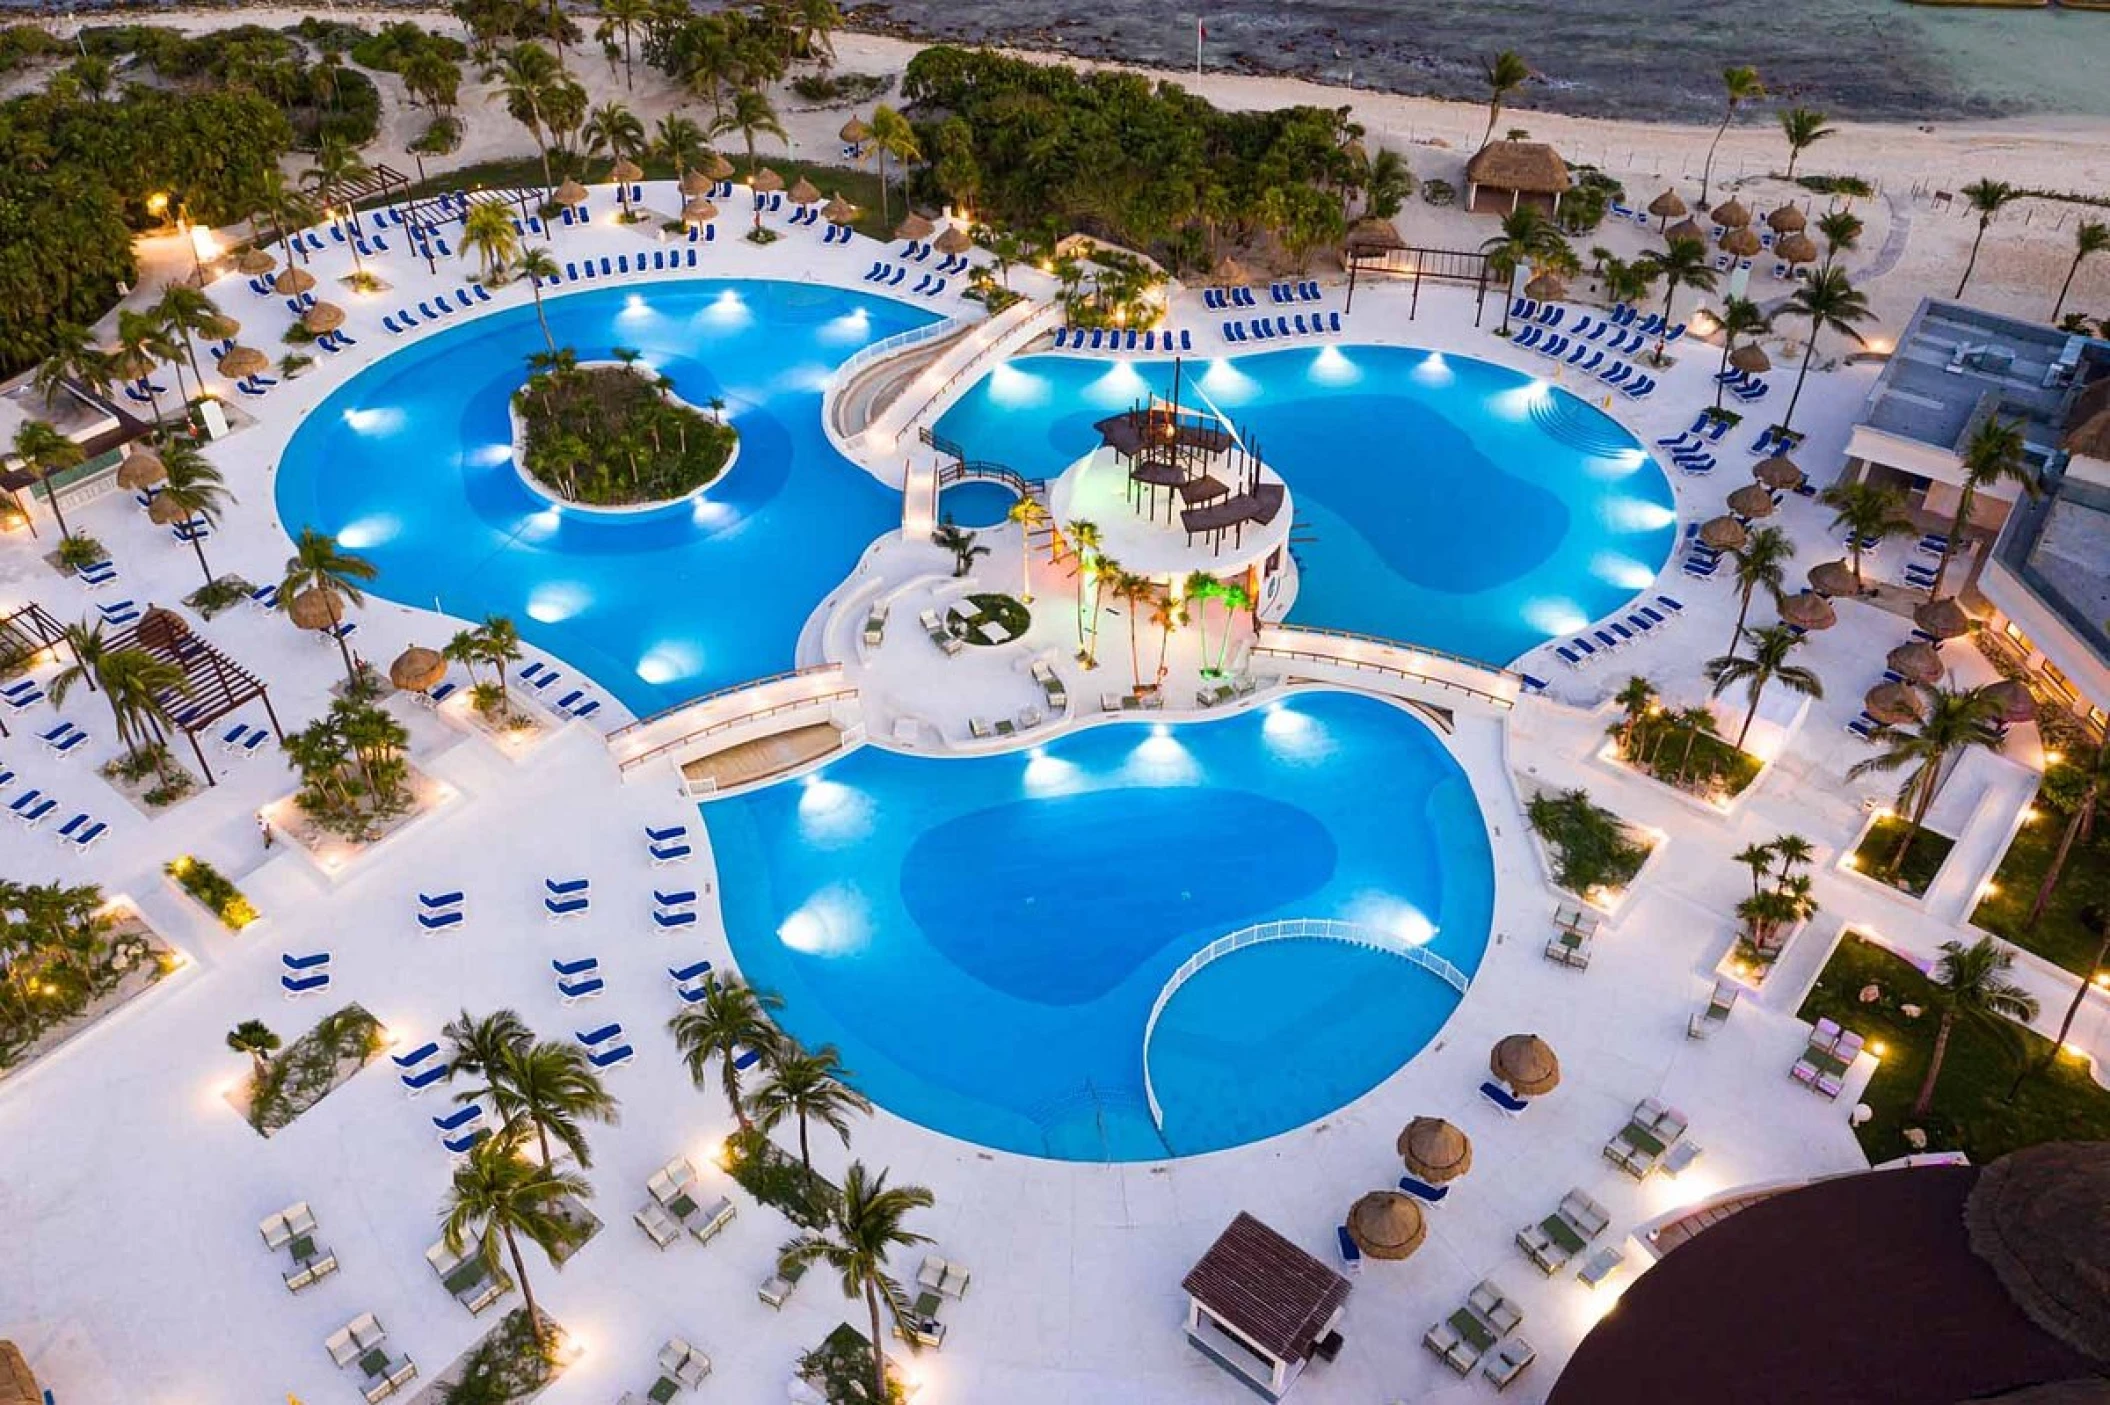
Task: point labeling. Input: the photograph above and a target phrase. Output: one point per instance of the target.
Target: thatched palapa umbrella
(1808, 610)
(1526, 1063)
(1374, 235)
(323, 317)
(1916, 661)
(1832, 578)
(1667, 207)
(1685, 230)
(805, 193)
(766, 181)
(1943, 618)
(1893, 704)
(954, 240)
(838, 211)
(142, 468)
(1546, 288)
(1230, 272)
(571, 194)
(163, 512)
(695, 184)
(219, 326)
(856, 130)
(625, 171)
(417, 669)
(294, 281)
(2014, 699)
(1387, 1225)
(1778, 471)
(1751, 359)
(1435, 1151)
(1796, 248)
(1751, 500)
(161, 627)
(1743, 241)
(1724, 533)
(718, 168)
(914, 226)
(1786, 219)
(698, 211)
(242, 361)
(1731, 214)
(2036, 1216)
(315, 609)
(255, 261)
(17, 1385)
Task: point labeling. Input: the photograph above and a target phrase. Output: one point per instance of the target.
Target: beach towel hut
(1434, 1150)
(1917, 661)
(1526, 1063)
(1893, 704)
(1387, 1224)
(1832, 578)
(1808, 610)
(1506, 175)
(1723, 533)
(1261, 1308)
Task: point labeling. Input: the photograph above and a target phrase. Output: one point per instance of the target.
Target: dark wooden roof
(1124, 433)
(218, 685)
(1862, 1288)
(1274, 1293)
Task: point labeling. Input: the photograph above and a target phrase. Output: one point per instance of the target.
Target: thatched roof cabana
(1786, 219)
(242, 361)
(1808, 610)
(315, 609)
(417, 668)
(1504, 175)
(1751, 359)
(766, 181)
(293, 281)
(1943, 618)
(1278, 1300)
(2017, 704)
(625, 171)
(571, 193)
(1546, 288)
(954, 240)
(695, 184)
(914, 226)
(838, 211)
(1732, 214)
(1916, 661)
(718, 168)
(1751, 500)
(255, 261)
(805, 193)
(1668, 206)
(1778, 471)
(856, 130)
(1832, 578)
(698, 210)
(2088, 423)
(323, 317)
(1372, 235)
(142, 468)
(1894, 704)
(1723, 533)
(17, 1385)
(1796, 247)
(1685, 231)
(1743, 241)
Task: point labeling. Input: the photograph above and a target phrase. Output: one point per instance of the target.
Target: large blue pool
(408, 465)
(1442, 500)
(983, 939)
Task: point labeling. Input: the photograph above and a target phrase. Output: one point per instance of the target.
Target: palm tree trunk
(2058, 862)
(2073, 1009)
(1721, 386)
(732, 1093)
(542, 1137)
(878, 1345)
(1972, 263)
(2065, 287)
(351, 674)
(1920, 802)
(197, 544)
(527, 1291)
(1707, 171)
(1742, 611)
(190, 345)
(1808, 351)
(1758, 688)
(541, 316)
(1854, 551)
(805, 1151)
(1494, 115)
(1925, 1099)
(1956, 526)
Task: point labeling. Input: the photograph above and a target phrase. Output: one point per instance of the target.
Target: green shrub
(214, 890)
(224, 593)
(841, 1369)
(842, 87)
(398, 42)
(1589, 844)
(1438, 193)
(442, 136)
(304, 1074)
(777, 1179)
(80, 550)
(1852, 187)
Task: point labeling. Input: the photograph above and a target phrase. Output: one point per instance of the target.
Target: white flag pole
(1199, 30)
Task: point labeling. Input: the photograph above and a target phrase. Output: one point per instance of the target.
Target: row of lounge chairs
(919, 251)
(889, 276)
(1743, 384)
(981, 728)
(1574, 1225)
(1627, 379)
(1224, 299)
(605, 1046)
(1720, 1002)
(1227, 690)
(1103, 339)
(461, 1130)
(1266, 329)
(62, 738)
(470, 1281)
(1614, 635)
(363, 1343)
(577, 702)
(1652, 1138)
(1824, 1063)
(435, 308)
(33, 807)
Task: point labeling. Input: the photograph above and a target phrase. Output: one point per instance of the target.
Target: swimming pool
(1439, 499)
(408, 464)
(983, 938)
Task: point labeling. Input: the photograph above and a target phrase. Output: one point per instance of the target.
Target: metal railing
(994, 346)
(1287, 929)
(1289, 638)
(985, 471)
(887, 346)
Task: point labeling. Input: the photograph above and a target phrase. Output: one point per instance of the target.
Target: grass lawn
(2060, 934)
(1922, 861)
(1969, 1114)
(1691, 760)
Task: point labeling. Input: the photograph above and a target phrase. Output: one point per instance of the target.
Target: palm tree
(142, 341)
(1955, 721)
(2080, 786)
(484, 1048)
(732, 1018)
(498, 644)
(1825, 300)
(679, 142)
(1386, 184)
(538, 265)
(1637, 698)
(1970, 983)
(1759, 859)
(1527, 238)
(1026, 514)
(2091, 237)
(527, 77)
(1767, 663)
(72, 356)
(488, 233)
(892, 136)
(752, 114)
(553, 1088)
(319, 564)
(2096, 917)
(1739, 85)
(1683, 263)
(196, 489)
(1804, 128)
(139, 688)
(616, 131)
(1694, 722)
(1793, 851)
(1505, 73)
(335, 168)
(254, 1038)
(85, 643)
(288, 209)
(1994, 455)
(1761, 564)
(808, 1087)
(44, 451)
(1866, 512)
(499, 1197)
(1987, 198)
(1740, 318)
(186, 312)
(867, 1231)
(624, 18)
(814, 25)
(1842, 233)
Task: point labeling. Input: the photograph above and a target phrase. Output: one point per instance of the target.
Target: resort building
(100, 428)
(1261, 1308)
(1506, 175)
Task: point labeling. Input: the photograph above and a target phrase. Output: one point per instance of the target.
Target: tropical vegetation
(214, 890)
(1953, 722)
(353, 767)
(614, 436)
(62, 948)
(868, 1228)
(1780, 900)
(281, 1087)
(1591, 848)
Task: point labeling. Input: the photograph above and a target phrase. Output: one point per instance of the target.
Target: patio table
(1641, 1139)
(374, 1363)
(302, 1248)
(662, 1390)
(1469, 1326)
(1562, 1233)
(1828, 1063)
(681, 1206)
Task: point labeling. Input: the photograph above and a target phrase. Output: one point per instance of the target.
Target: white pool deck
(130, 1191)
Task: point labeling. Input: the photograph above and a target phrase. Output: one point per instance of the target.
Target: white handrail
(887, 346)
(1287, 929)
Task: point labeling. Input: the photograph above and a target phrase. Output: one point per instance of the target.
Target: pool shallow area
(983, 938)
(1439, 499)
(409, 465)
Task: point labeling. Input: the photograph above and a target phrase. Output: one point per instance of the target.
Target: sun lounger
(939, 634)
(304, 963)
(319, 1264)
(668, 852)
(296, 986)
(557, 909)
(418, 1082)
(1502, 1099)
(942, 1276)
(572, 989)
(1351, 1252)
(610, 1056)
(779, 1285)
(459, 1118)
(466, 1277)
(355, 1339)
(416, 1056)
(1509, 1360)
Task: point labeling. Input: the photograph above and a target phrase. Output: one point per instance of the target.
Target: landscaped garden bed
(282, 1087)
(74, 958)
(1873, 856)
(1590, 851)
(1679, 748)
(840, 1368)
(2062, 935)
(213, 891)
(615, 436)
(777, 1179)
(504, 1368)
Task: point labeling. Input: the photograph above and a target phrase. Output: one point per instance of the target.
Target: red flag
(1201, 30)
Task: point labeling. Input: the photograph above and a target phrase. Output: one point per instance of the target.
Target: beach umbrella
(130, 365)
(856, 130)
(416, 669)
(1724, 533)
(1731, 214)
(242, 361)
(163, 512)
(718, 168)
(698, 210)
(1778, 471)
(218, 326)
(766, 180)
(2016, 702)
(1684, 230)
(1371, 233)
(142, 468)
(1751, 500)
(1546, 288)
(1526, 1063)
(1387, 1225)
(255, 261)
(294, 281)
(1786, 219)
(18, 1385)
(1832, 578)
(1435, 1151)
(695, 183)
(1751, 358)
(571, 193)
(1893, 704)
(914, 227)
(1667, 206)
(315, 609)
(1796, 248)
(805, 193)
(1808, 610)
(625, 171)
(1230, 271)
(1943, 618)
(838, 211)
(323, 317)
(1917, 661)
(1742, 241)
(954, 241)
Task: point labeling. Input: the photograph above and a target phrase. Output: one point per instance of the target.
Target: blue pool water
(1442, 500)
(976, 502)
(983, 938)
(408, 465)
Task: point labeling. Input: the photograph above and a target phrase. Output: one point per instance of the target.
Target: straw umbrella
(1373, 235)
(315, 609)
(1832, 578)
(1751, 359)
(163, 512)
(766, 181)
(1796, 248)
(1778, 471)
(18, 1386)
(1684, 231)
(571, 194)
(219, 326)
(856, 131)
(698, 210)
(1916, 661)
(914, 227)
(1526, 1063)
(1724, 533)
(624, 171)
(1230, 272)
(1546, 288)
(161, 627)
(142, 468)
(805, 193)
(1808, 610)
(954, 241)
(1751, 500)
(1742, 241)
(718, 168)
(1435, 1151)
(839, 211)
(1787, 219)
(1943, 618)
(242, 361)
(294, 281)
(1731, 214)
(1893, 704)
(1387, 1225)
(2035, 1216)
(1667, 207)
(695, 184)
(416, 669)
(2014, 699)
(323, 317)
(255, 261)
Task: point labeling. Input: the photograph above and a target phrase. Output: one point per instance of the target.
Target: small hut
(914, 227)
(2014, 699)
(805, 193)
(1685, 231)
(766, 181)
(839, 211)
(293, 282)
(1732, 214)
(624, 171)
(1787, 219)
(698, 210)
(417, 669)
(323, 317)
(1893, 704)
(1667, 207)
(1796, 248)
(1261, 1308)
(695, 184)
(142, 468)
(954, 240)
(1743, 241)
(1916, 661)
(718, 168)
(1751, 500)
(571, 194)
(1808, 610)
(242, 361)
(1505, 175)
(1943, 618)
(1751, 359)
(856, 132)
(251, 262)
(1778, 471)
(1723, 533)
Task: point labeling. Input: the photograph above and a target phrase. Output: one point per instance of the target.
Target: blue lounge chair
(578, 966)
(416, 1056)
(591, 1037)
(1568, 656)
(555, 909)
(1421, 1190)
(667, 919)
(672, 851)
(744, 1057)
(612, 1057)
(297, 986)
(304, 963)
(1506, 1102)
(565, 887)
(571, 992)
(1351, 1253)
(1187, 337)
(441, 920)
(1671, 605)
(466, 1142)
(434, 902)
(459, 1118)
(683, 975)
(680, 897)
(37, 811)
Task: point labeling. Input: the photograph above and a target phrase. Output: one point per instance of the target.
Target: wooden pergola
(24, 634)
(1209, 472)
(217, 685)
